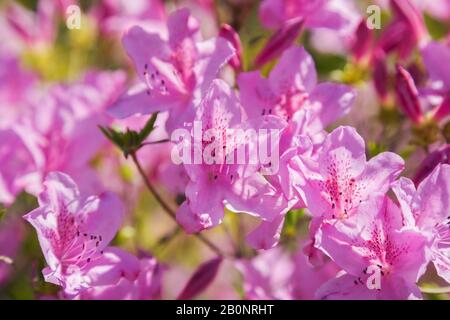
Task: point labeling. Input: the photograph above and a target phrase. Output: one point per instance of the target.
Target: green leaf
(148, 128)
(130, 141)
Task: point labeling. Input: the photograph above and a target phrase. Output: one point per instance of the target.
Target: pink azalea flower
(441, 155)
(119, 275)
(227, 32)
(307, 279)
(428, 209)
(17, 89)
(241, 188)
(267, 276)
(408, 95)
(301, 139)
(72, 230)
(317, 13)
(340, 178)
(433, 100)
(439, 78)
(374, 243)
(117, 16)
(36, 28)
(67, 120)
(288, 16)
(291, 92)
(291, 86)
(20, 161)
(406, 30)
(173, 72)
(276, 274)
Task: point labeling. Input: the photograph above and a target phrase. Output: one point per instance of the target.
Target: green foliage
(130, 141)
(436, 29)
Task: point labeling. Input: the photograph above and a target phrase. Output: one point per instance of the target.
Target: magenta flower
(408, 95)
(317, 13)
(342, 178)
(433, 100)
(17, 90)
(301, 139)
(240, 187)
(427, 208)
(291, 86)
(441, 155)
(117, 16)
(268, 275)
(406, 30)
(291, 92)
(72, 230)
(276, 274)
(439, 77)
(227, 32)
(67, 120)
(339, 179)
(119, 275)
(20, 161)
(382, 258)
(173, 72)
(289, 16)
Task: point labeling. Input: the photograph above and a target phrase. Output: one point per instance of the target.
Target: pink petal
(266, 235)
(408, 95)
(201, 279)
(280, 41)
(296, 69)
(255, 92)
(331, 101)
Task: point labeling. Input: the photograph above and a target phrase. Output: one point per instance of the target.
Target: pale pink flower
(119, 275)
(291, 86)
(336, 182)
(374, 242)
(240, 187)
(116, 16)
(427, 208)
(72, 230)
(173, 72)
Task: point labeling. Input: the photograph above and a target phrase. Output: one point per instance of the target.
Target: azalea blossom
(72, 230)
(289, 16)
(291, 86)
(240, 187)
(427, 208)
(280, 275)
(173, 72)
(119, 275)
(340, 179)
(374, 242)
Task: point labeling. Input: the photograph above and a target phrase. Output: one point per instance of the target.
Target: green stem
(167, 208)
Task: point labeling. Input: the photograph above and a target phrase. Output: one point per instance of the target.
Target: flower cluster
(294, 152)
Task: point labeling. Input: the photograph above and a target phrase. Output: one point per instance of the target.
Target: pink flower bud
(201, 278)
(443, 111)
(435, 158)
(227, 32)
(407, 95)
(363, 41)
(280, 40)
